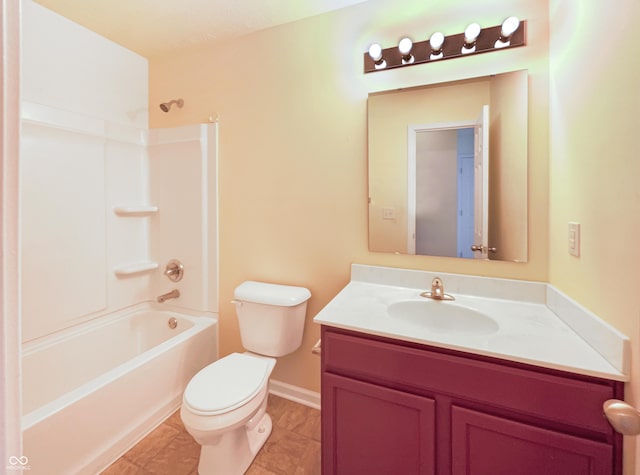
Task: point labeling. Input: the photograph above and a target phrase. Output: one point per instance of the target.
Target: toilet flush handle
(317, 348)
(237, 303)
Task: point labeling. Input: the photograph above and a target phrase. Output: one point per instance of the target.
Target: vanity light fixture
(509, 27)
(435, 42)
(375, 53)
(474, 40)
(404, 47)
(470, 36)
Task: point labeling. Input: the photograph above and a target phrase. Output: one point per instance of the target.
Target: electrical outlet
(574, 239)
(388, 213)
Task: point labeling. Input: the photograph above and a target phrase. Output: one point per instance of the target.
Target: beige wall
(78, 139)
(291, 102)
(595, 105)
(293, 170)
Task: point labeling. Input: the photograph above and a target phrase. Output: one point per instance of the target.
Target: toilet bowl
(224, 410)
(224, 405)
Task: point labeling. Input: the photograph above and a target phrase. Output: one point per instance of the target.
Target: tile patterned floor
(292, 449)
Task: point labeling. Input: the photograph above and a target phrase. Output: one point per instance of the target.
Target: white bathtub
(90, 393)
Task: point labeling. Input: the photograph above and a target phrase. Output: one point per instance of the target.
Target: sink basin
(443, 317)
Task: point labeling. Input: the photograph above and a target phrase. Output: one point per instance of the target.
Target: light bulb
(509, 26)
(405, 45)
(436, 41)
(471, 33)
(375, 51)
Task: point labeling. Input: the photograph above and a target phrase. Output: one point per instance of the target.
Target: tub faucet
(174, 294)
(437, 291)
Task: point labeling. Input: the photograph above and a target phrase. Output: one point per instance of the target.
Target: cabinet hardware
(623, 417)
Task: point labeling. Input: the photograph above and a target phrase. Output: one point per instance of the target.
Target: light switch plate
(574, 239)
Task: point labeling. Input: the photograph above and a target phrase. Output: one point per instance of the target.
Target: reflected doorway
(447, 172)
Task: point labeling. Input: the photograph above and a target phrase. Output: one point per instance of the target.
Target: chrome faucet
(174, 294)
(437, 291)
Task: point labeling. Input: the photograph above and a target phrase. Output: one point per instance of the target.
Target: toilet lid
(225, 384)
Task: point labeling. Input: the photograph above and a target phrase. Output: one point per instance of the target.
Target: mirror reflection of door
(466, 192)
(392, 226)
(481, 180)
(442, 218)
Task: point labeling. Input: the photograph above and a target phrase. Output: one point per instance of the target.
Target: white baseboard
(295, 393)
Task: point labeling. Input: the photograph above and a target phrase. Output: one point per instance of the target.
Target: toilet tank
(271, 317)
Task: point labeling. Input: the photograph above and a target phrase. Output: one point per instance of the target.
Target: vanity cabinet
(394, 407)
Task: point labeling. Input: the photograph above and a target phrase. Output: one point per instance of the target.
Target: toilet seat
(226, 384)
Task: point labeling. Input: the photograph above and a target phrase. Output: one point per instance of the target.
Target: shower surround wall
(84, 110)
(85, 149)
(183, 179)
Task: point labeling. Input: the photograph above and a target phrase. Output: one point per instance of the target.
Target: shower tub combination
(90, 393)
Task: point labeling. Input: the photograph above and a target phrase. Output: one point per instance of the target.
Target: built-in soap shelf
(135, 210)
(135, 268)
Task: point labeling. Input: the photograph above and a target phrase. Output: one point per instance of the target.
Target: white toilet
(224, 404)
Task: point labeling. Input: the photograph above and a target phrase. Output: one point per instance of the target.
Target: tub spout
(174, 294)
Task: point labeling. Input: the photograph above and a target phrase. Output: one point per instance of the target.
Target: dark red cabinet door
(369, 429)
(382, 399)
(487, 445)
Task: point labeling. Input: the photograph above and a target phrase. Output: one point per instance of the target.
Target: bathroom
(293, 194)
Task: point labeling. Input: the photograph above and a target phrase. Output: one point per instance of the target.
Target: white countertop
(529, 331)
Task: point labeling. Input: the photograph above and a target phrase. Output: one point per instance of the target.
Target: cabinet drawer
(564, 400)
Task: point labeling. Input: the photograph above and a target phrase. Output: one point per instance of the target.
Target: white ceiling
(152, 27)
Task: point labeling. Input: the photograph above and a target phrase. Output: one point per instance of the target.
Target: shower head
(165, 106)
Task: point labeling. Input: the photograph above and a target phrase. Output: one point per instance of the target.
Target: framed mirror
(448, 169)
